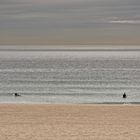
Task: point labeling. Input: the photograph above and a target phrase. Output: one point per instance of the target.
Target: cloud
(125, 21)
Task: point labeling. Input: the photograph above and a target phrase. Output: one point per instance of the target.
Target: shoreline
(43, 103)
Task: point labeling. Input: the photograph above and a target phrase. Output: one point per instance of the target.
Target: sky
(69, 22)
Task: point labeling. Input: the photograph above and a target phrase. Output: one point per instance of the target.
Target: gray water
(70, 76)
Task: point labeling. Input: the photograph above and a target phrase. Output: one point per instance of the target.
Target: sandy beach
(69, 122)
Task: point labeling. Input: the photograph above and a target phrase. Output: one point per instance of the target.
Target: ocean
(89, 76)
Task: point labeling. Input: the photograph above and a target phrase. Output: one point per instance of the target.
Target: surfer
(124, 95)
(16, 94)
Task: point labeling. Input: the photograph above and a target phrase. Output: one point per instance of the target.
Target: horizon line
(80, 49)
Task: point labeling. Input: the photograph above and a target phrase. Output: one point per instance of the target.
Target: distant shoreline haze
(69, 47)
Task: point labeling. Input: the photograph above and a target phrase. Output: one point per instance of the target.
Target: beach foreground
(69, 122)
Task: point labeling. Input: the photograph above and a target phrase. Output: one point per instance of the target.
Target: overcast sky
(45, 22)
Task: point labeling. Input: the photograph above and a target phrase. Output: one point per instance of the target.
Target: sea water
(69, 76)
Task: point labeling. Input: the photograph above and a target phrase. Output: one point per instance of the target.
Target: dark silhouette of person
(124, 95)
(16, 94)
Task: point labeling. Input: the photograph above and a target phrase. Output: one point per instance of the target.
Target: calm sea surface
(70, 76)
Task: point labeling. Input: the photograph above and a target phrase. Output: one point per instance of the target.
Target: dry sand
(69, 122)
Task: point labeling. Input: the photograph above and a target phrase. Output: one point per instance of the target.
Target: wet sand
(69, 122)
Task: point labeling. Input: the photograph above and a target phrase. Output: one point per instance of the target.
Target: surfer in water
(124, 95)
(16, 94)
